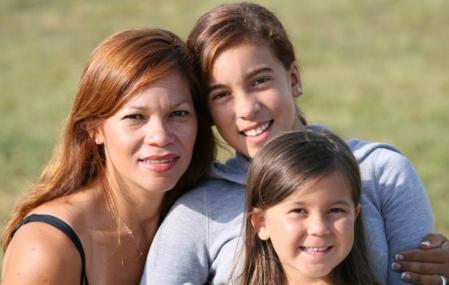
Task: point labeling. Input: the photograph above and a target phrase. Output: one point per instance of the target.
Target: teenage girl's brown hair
(230, 24)
(279, 169)
(119, 68)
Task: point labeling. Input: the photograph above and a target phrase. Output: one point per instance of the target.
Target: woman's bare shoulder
(40, 253)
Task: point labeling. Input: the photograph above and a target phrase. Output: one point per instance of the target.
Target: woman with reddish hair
(124, 157)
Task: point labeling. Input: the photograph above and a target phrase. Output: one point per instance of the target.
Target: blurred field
(376, 70)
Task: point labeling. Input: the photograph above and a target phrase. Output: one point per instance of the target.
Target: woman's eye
(134, 117)
(179, 113)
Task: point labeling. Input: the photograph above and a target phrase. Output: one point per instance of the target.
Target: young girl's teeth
(314, 250)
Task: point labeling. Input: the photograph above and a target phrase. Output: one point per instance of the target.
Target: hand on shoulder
(427, 264)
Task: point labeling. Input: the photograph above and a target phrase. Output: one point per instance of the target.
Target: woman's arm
(41, 254)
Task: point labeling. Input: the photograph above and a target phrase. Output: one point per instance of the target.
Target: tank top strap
(66, 229)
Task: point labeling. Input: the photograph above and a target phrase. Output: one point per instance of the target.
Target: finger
(421, 279)
(439, 255)
(419, 267)
(445, 245)
(433, 240)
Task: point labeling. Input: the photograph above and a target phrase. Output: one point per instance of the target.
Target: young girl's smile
(312, 230)
(250, 96)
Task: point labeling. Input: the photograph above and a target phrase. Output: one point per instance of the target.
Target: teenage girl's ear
(295, 80)
(257, 218)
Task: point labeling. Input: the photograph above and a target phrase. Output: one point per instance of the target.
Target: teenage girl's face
(149, 141)
(251, 96)
(312, 230)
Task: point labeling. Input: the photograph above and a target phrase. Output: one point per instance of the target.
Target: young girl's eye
(298, 211)
(179, 113)
(133, 117)
(336, 210)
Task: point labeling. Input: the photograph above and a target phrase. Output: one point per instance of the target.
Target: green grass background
(376, 70)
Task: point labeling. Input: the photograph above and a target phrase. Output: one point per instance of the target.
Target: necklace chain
(133, 238)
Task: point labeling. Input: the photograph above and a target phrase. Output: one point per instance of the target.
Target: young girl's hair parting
(279, 169)
(231, 24)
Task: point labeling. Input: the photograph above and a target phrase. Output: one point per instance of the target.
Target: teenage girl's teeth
(257, 131)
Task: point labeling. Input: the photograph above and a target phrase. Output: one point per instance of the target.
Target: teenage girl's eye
(134, 117)
(219, 95)
(261, 80)
(179, 113)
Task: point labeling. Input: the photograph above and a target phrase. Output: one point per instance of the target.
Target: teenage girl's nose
(246, 105)
(318, 225)
(158, 133)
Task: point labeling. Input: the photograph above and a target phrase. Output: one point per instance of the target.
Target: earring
(298, 91)
(263, 234)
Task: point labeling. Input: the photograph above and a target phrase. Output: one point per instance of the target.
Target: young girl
(303, 220)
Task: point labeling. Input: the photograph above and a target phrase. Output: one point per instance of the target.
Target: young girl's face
(250, 96)
(312, 230)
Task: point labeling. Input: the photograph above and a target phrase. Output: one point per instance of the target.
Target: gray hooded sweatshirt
(200, 240)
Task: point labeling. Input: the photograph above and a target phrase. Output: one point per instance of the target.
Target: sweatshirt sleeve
(405, 206)
(178, 253)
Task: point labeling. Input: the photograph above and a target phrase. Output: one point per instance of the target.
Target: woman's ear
(257, 218)
(95, 133)
(295, 80)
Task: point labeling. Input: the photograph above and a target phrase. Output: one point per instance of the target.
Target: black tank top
(66, 229)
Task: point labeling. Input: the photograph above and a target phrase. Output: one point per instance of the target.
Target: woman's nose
(159, 133)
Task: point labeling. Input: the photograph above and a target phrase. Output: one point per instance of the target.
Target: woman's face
(250, 96)
(149, 141)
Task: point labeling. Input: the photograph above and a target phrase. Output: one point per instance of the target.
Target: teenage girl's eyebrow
(257, 71)
(250, 74)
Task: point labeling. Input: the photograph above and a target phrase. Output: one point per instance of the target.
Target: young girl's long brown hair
(279, 169)
(120, 67)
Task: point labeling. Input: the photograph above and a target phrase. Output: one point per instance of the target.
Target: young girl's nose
(158, 133)
(318, 226)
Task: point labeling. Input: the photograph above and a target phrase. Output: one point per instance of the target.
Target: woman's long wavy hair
(119, 68)
(231, 24)
(279, 169)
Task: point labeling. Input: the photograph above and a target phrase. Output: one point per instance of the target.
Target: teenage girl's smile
(250, 96)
